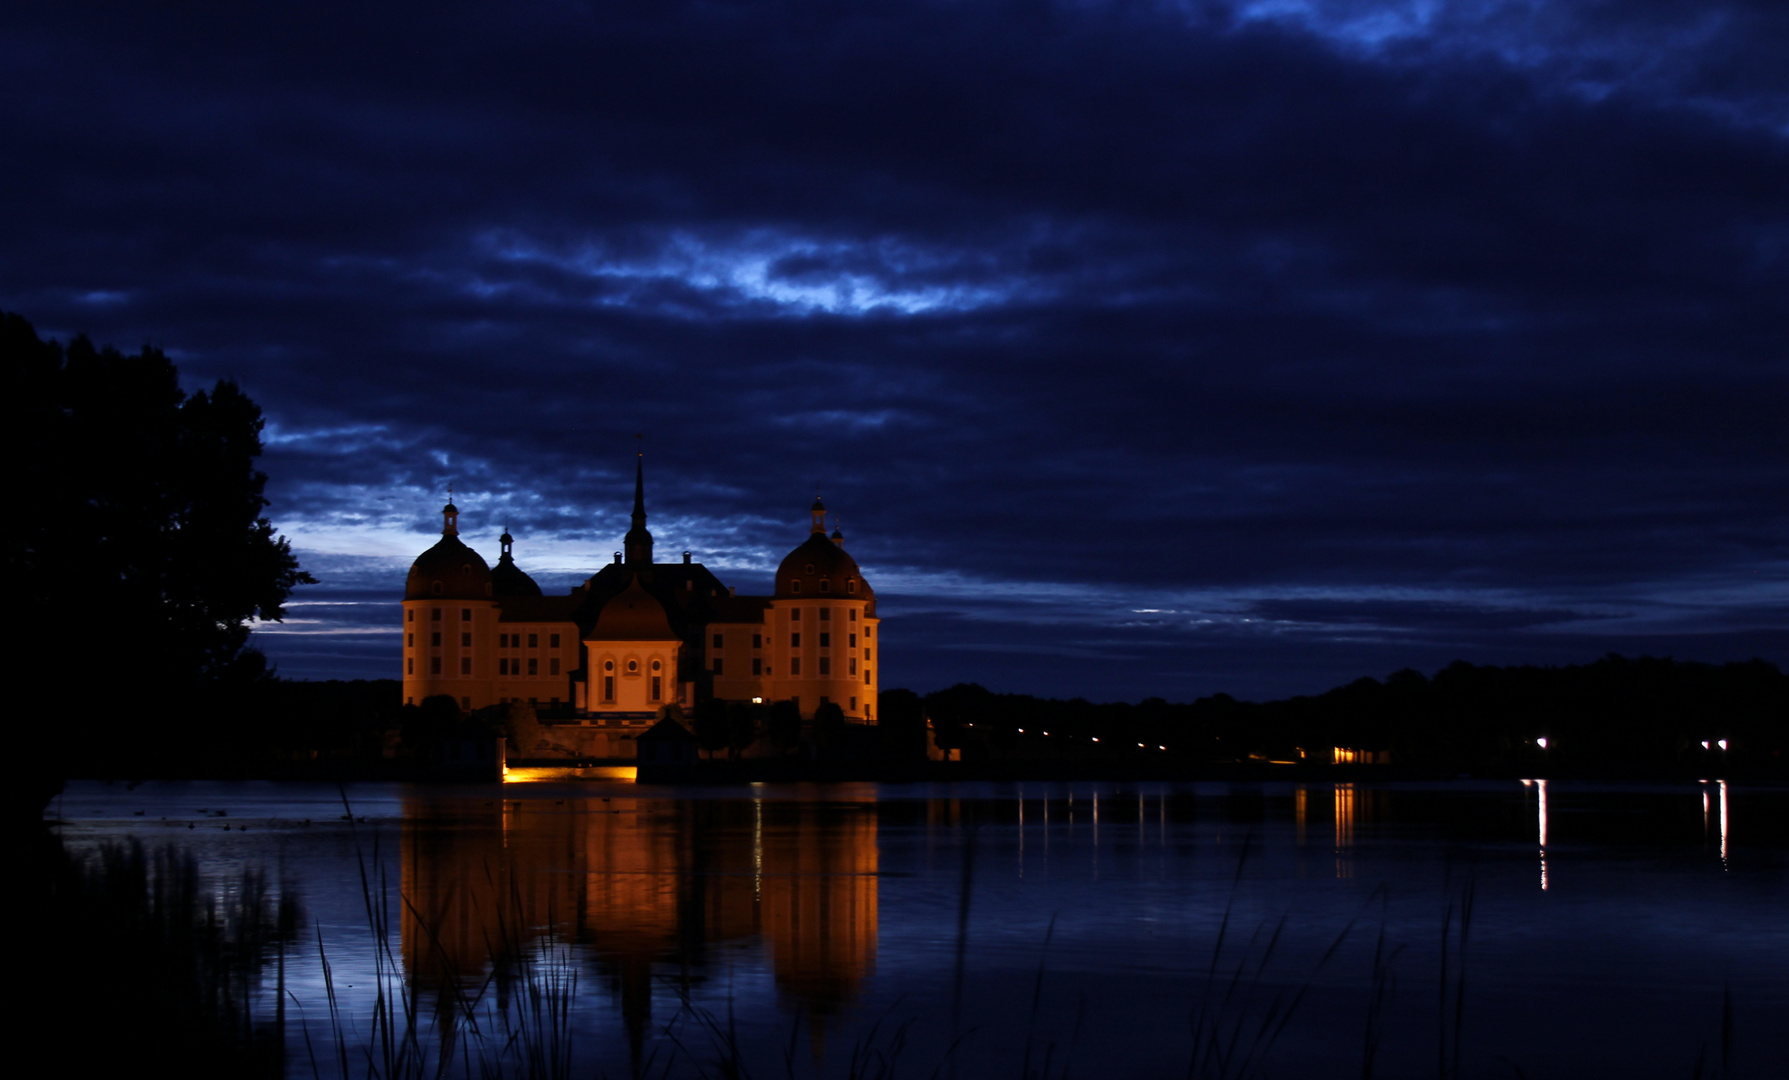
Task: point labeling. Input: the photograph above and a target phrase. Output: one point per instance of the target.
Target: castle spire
(450, 516)
(638, 543)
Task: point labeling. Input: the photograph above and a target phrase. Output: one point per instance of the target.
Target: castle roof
(822, 568)
(633, 615)
(449, 571)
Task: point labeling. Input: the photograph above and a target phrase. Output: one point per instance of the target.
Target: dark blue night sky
(1141, 349)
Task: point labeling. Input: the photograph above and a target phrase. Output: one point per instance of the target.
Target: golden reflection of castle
(645, 889)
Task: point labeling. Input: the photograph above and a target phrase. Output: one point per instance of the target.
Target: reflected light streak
(1541, 786)
(1298, 812)
(1344, 829)
(1723, 784)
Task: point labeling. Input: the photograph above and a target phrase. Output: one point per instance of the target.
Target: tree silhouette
(142, 554)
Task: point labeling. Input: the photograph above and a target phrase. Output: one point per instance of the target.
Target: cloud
(1457, 314)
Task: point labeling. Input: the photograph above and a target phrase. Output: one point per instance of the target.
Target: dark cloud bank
(1143, 349)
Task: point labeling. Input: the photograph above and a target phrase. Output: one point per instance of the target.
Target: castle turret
(449, 612)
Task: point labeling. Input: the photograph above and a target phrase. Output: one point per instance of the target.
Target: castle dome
(633, 614)
(450, 570)
(821, 568)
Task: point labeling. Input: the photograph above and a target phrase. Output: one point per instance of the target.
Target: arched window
(633, 666)
(825, 586)
(795, 586)
(851, 586)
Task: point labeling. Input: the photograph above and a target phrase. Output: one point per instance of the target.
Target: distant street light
(1542, 743)
(1722, 744)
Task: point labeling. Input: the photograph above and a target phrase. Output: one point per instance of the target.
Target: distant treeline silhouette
(1616, 712)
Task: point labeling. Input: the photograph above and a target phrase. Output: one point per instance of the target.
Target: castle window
(410, 616)
(437, 591)
(434, 614)
(853, 642)
(853, 704)
(757, 666)
(435, 639)
(825, 586)
(854, 665)
(826, 665)
(465, 665)
(795, 665)
(717, 666)
(810, 568)
(465, 641)
(434, 665)
(851, 614)
(409, 641)
(503, 665)
(795, 640)
(866, 675)
(410, 666)
(503, 641)
(717, 641)
(851, 586)
(633, 666)
(608, 665)
(466, 612)
(553, 666)
(533, 666)
(655, 665)
(794, 586)
(552, 641)
(534, 641)
(825, 614)
(866, 656)
(757, 641)
(825, 640)
(795, 615)
(869, 632)
(608, 688)
(657, 688)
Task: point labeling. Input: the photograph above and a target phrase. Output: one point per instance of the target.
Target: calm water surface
(1077, 921)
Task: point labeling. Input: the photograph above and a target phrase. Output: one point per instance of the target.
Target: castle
(601, 663)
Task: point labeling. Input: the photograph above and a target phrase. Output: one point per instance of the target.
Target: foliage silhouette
(144, 516)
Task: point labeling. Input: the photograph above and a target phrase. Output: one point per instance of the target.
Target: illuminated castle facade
(601, 662)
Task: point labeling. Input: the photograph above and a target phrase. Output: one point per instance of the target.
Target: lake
(1087, 929)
